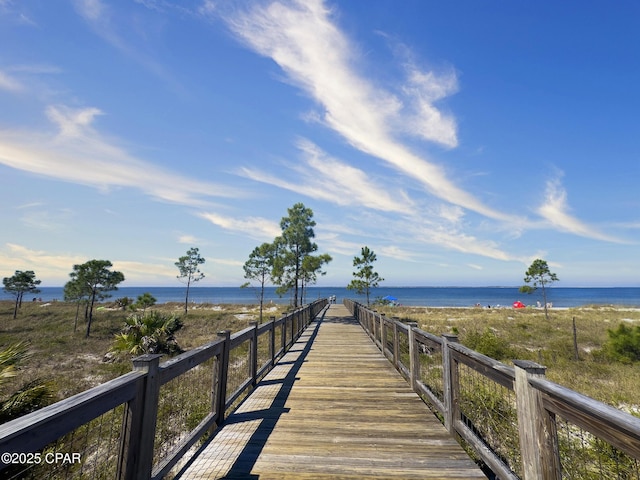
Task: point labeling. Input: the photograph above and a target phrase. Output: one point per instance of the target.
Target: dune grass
(72, 363)
(526, 334)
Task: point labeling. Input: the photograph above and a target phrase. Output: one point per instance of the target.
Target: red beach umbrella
(518, 304)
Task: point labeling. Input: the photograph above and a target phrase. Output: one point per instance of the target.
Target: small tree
(292, 246)
(19, 284)
(146, 300)
(311, 268)
(365, 277)
(93, 280)
(189, 270)
(539, 275)
(259, 266)
(124, 303)
(75, 292)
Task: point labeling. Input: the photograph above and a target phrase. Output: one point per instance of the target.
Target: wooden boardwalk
(332, 408)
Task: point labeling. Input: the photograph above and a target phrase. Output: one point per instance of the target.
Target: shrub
(123, 303)
(149, 333)
(623, 344)
(30, 396)
(489, 344)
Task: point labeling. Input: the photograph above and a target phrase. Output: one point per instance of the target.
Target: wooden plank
(333, 407)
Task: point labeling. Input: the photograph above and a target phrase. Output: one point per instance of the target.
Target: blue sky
(459, 140)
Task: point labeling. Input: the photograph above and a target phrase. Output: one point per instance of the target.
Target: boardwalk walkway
(332, 408)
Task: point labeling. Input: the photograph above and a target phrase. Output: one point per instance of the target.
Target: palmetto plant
(149, 333)
(30, 396)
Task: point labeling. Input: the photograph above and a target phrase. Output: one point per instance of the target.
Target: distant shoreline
(454, 297)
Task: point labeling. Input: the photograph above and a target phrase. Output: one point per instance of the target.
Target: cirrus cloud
(77, 153)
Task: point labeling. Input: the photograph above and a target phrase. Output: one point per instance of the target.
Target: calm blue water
(414, 296)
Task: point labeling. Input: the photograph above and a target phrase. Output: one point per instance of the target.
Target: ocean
(562, 297)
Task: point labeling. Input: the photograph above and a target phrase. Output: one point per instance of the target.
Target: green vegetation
(71, 363)
(288, 261)
(189, 267)
(294, 267)
(507, 334)
(146, 300)
(29, 395)
(365, 278)
(623, 344)
(148, 333)
(539, 275)
(490, 344)
(19, 284)
(91, 282)
(259, 267)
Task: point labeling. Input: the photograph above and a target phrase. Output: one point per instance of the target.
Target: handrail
(56, 420)
(616, 427)
(537, 405)
(140, 392)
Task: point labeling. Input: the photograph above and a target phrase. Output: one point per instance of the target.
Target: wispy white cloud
(555, 210)
(304, 39)
(394, 251)
(254, 227)
(226, 261)
(451, 238)
(207, 8)
(44, 219)
(77, 153)
(144, 273)
(48, 266)
(72, 122)
(326, 178)
(423, 89)
(188, 239)
(125, 35)
(335, 243)
(317, 57)
(21, 79)
(9, 83)
(54, 268)
(93, 10)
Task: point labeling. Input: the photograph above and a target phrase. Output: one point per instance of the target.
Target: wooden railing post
(283, 333)
(253, 354)
(383, 333)
(306, 313)
(396, 346)
(374, 325)
(536, 427)
(220, 397)
(140, 423)
(414, 359)
(451, 384)
(272, 340)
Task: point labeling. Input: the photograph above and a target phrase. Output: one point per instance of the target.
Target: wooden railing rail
(518, 424)
(144, 404)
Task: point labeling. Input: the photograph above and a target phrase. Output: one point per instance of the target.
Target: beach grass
(72, 363)
(526, 334)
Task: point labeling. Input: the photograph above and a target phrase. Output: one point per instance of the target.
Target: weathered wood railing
(140, 425)
(513, 420)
